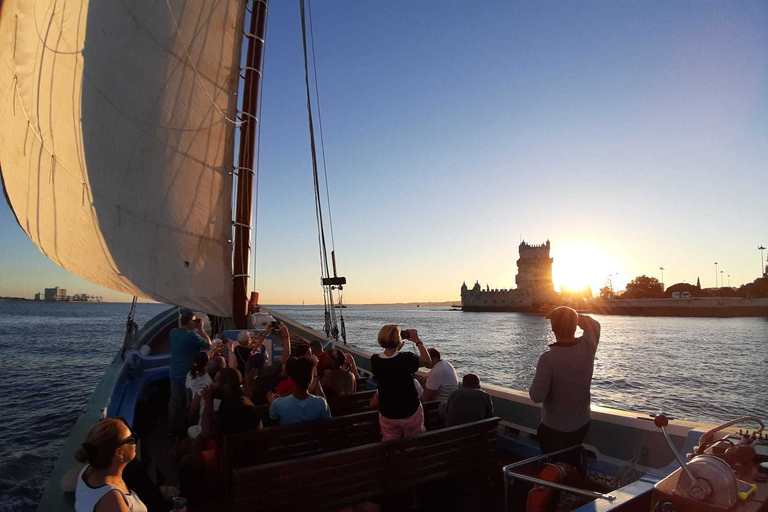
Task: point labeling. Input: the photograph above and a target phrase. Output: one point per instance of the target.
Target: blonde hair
(389, 336)
(101, 442)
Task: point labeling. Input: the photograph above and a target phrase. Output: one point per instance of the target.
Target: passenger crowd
(219, 387)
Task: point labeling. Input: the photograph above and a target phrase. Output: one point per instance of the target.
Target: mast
(247, 160)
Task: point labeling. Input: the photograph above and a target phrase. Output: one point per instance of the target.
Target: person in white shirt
(197, 379)
(441, 381)
(108, 448)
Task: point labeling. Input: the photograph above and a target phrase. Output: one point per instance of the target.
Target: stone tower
(534, 272)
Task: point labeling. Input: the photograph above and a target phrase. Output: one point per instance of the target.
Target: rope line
(324, 270)
(320, 126)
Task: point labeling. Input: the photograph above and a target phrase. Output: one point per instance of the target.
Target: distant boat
(340, 306)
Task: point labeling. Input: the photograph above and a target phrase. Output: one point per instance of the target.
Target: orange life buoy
(540, 497)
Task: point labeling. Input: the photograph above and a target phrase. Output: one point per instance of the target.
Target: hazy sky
(632, 135)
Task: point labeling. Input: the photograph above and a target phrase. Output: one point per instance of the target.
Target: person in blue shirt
(300, 406)
(185, 344)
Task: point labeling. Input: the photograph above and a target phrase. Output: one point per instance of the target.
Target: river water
(53, 355)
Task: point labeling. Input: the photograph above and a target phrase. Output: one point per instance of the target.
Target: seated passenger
(197, 379)
(300, 406)
(236, 413)
(261, 377)
(468, 403)
(400, 412)
(316, 349)
(214, 366)
(243, 350)
(285, 387)
(340, 378)
(198, 474)
(108, 448)
(441, 381)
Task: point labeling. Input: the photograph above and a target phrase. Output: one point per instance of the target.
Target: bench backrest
(281, 443)
(432, 415)
(350, 404)
(332, 480)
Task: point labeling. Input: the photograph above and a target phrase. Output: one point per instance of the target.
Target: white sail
(117, 139)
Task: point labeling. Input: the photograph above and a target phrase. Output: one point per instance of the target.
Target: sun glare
(578, 266)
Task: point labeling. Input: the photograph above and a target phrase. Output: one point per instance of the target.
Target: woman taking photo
(400, 412)
(108, 448)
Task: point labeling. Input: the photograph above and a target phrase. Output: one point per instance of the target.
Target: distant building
(55, 294)
(38, 296)
(534, 285)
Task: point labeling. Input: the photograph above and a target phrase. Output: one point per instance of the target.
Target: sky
(632, 135)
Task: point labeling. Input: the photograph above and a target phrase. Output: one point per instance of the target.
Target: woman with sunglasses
(108, 448)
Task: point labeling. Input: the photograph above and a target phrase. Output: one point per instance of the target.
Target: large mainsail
(117, 121)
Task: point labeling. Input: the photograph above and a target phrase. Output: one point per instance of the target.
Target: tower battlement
(533, 280)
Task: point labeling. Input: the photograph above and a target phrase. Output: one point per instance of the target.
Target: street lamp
(721, 279)
(715, 274)
(729, 280)
(662, 279)
(762, 265)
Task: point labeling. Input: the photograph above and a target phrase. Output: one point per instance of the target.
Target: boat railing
(511, 473)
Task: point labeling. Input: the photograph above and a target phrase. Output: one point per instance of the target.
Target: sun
(577, 266)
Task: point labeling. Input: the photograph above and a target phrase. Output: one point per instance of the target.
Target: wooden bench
(350, 404)
(332, 480)
(281, 443)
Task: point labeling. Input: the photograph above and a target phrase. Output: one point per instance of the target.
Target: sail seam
(95, 193)
(135, 121)
(194, 68)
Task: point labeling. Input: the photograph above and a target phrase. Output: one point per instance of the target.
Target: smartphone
(405, 334)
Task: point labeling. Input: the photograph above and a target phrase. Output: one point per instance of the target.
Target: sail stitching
(95, 193)
(194, 68)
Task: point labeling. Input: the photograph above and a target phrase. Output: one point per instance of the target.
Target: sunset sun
(577, 266)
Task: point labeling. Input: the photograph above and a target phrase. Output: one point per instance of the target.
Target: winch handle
(707, 436)
(661, 421)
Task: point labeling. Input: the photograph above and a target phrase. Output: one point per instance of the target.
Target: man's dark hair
(290, 365)
(186, 318)
(316, 345)
(471, 380)
(434, 354)
(302, 371)
(230, 380)
(564, 321)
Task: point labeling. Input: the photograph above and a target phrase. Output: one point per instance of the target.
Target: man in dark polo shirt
(468, 403)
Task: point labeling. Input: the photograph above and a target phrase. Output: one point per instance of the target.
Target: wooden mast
(247, 160)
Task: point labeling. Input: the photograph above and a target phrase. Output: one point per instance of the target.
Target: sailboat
(127, 148)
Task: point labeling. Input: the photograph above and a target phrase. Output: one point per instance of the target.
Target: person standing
(441, 381)
(400, 412)
(185, 345)
(562, 381)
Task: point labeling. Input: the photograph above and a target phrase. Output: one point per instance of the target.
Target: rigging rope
(331, 328)
(320, 126)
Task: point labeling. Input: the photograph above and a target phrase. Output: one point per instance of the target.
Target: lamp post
(729, 280)
(715, 274)
(662, 279)
(762, 265)
(721, 279)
